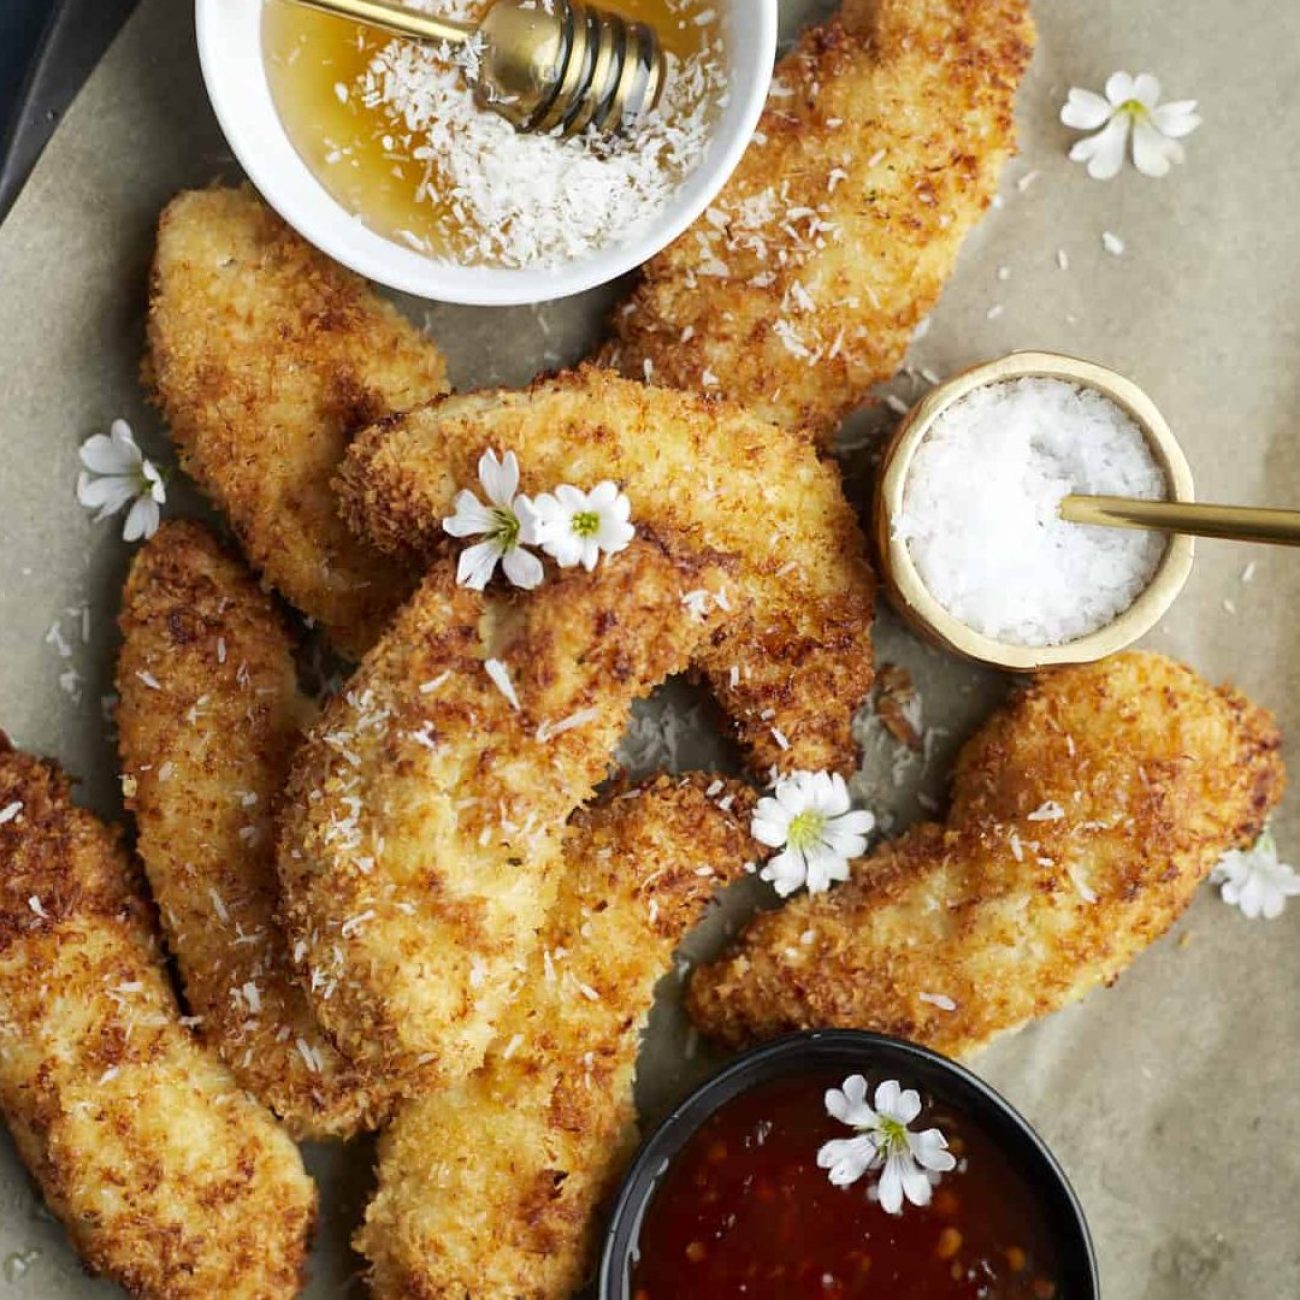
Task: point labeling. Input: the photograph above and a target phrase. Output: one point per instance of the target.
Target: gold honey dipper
(544, 65)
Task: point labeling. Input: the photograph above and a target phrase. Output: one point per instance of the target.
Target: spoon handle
(1236, 523)
(394, 18)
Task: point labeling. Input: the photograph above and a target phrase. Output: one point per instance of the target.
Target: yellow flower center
(805, 830)
(586, 523)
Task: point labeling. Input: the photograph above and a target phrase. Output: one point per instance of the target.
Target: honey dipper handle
(1236, 523)
(395, 18)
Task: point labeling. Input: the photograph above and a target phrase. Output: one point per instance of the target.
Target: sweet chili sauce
(744, 1213)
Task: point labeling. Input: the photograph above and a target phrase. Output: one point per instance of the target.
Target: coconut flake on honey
(390, 128)
(981, 511)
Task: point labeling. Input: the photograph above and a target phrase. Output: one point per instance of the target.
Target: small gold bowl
(903, 583)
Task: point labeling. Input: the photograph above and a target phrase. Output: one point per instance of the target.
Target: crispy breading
(881, 145)
(493, 1188)
(421, 835)
(265, 357)
(169, 1179)
(791, 671)
(209, 718)
(1085, 816)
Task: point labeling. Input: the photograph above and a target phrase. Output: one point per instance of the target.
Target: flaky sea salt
(981, 511)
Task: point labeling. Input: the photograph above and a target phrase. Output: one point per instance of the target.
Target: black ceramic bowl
(870, 1054)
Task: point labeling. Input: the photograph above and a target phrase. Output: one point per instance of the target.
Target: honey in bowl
(744, 1212)
(391, 130)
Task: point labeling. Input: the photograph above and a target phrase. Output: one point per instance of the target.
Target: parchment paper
(1173, 1100)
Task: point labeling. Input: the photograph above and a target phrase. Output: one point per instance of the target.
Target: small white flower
(910, 1162)
(507, 522)
(574, 527)
(809, 817)
(1130, 106)
(116, 473)
(1255, 880)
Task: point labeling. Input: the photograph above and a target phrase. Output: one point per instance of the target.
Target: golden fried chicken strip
(169, 1179)
(492, 1188)
(209, 718)
(421, 835)
(881, 146)
(265, 357)
(793, 669)
(1085, 816)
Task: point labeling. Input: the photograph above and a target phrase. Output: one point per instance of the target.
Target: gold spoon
(1199, 518)
(544, 65)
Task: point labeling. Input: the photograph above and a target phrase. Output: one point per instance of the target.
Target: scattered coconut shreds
(940, 1000)
(994, 312)
(1248, 572)
(549, 730)
(1084, 890)
(10, 811)
(1062, 259)
(1049, 811)
(149, 680)
(496, 195)
(38, 907)
(500, 676)
(428, 688)
(1112, 243)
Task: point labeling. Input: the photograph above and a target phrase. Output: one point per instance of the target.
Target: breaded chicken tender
(791, 670)
(493, 1188)
(169, 1179)
(265, 357)
(881, 145)
(1085, 816)
(209, 718)
(421, 835)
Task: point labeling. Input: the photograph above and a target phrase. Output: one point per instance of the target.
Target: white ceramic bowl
(230, 49)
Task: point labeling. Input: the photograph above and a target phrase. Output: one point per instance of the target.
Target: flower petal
(1153, 154)
(823, 869)
(1177, 119)
(477, 565)
(847, 1158)
(571, 498)
(916, 1186)
(529, 520)
(785, 873)
(500, 478)
(1119, 88)
(930, 1150)
(141, 520)
(1104, 152)
(1085, 110)
(108, 495)
(471, 516)
(1146, 90)
(603, 495)
(523, 568)
(792, 793)
(891, 1186)
(565, 548)
(770, 823)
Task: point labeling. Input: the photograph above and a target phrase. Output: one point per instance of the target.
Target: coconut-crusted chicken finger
(1084, 817)
(421, 835)
(169, 1179)
(209, 718)
(792, 669)
(884, 136)
(265, 357)
(493, 1188)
